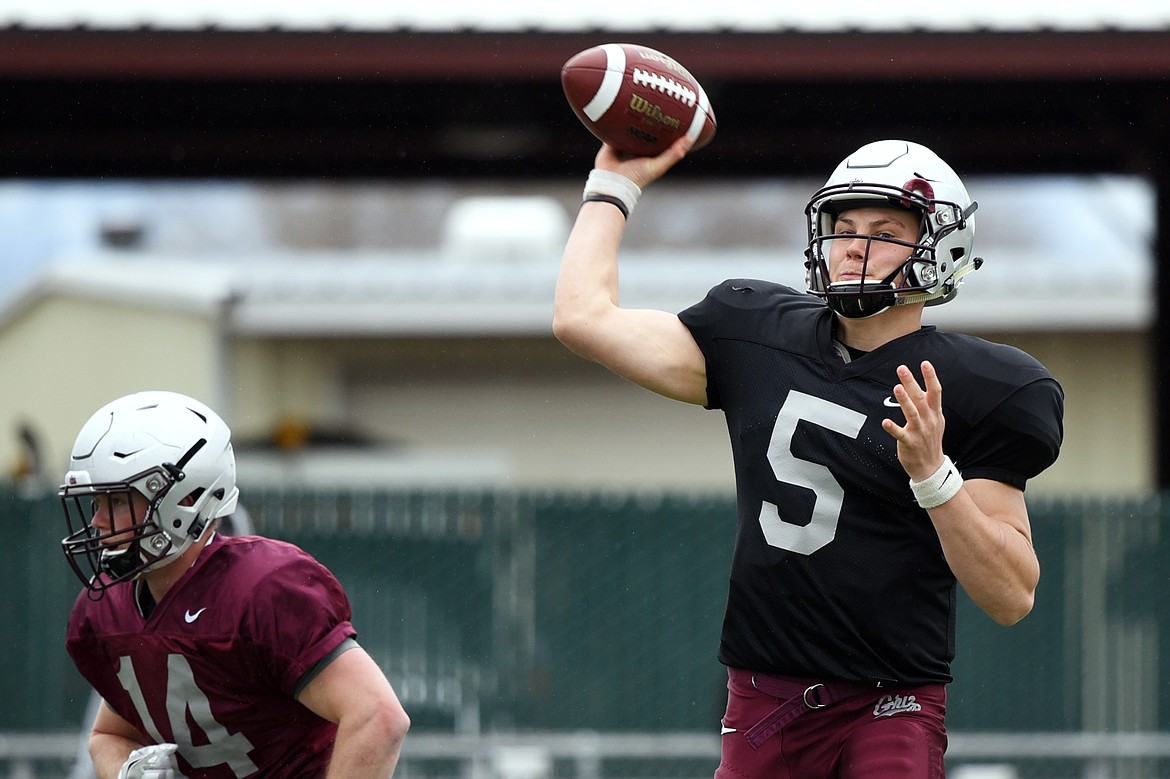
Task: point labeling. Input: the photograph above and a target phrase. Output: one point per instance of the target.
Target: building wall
(519, 412)
(66, 356)
(1110, 398)
(276, 382)
(548, 418)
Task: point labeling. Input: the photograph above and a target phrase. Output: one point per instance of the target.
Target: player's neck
(868, 334)
(160, 580)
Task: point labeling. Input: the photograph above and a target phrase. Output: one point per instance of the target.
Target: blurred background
(340, 226)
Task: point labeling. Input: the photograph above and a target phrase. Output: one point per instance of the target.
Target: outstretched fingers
(916, 399)
(906, 392)
(933, 385)
(920, 438)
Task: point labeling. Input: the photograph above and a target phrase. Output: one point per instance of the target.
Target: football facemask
(148, 474)
(114, 534)
(894, 174)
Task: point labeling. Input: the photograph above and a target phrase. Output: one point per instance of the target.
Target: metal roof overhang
(285, 103)
(488, 56)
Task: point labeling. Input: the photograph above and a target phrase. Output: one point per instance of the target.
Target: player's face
(856, 256)
(118, 513)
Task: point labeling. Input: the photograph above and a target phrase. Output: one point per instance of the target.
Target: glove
(153, 762)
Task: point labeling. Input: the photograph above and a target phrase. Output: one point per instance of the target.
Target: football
(636, 99)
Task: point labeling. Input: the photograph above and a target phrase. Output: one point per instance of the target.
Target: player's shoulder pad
(982, 378)
(749, 309)
(985, 359)
(264, 560)
(753, 294)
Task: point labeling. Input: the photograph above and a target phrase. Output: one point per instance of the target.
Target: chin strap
(956, 279)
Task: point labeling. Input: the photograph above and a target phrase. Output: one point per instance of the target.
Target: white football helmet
(905, 175)
(168, 448)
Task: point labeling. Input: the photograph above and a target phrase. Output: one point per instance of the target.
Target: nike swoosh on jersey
(890, 402)
(725, 730)
(192, 617)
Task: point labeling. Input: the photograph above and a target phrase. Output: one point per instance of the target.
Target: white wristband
(939, 487)
(613, 188)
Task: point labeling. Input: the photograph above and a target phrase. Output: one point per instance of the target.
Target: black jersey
(837, 573)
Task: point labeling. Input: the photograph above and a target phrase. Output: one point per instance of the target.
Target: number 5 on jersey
(828, 494)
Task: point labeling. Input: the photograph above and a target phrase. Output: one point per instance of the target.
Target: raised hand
(643, 171)
(920, 447)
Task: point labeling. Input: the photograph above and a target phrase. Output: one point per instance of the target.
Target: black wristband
(613, 201)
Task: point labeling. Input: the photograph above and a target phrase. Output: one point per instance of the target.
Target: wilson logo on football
(651, 111)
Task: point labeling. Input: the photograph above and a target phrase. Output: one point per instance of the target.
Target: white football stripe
(700, 116)
(615, 70)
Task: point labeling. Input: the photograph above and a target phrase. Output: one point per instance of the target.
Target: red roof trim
(486, 56)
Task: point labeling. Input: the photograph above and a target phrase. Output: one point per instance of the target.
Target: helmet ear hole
(958, 253)
(192, 497)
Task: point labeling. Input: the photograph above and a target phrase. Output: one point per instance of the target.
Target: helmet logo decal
(920, 186)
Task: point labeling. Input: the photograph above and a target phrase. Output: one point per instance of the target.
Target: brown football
(636, 99)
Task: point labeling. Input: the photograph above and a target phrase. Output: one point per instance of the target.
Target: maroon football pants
(855, 733)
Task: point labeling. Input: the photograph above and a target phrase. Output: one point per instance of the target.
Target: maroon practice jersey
(215, 666)
(837, 573)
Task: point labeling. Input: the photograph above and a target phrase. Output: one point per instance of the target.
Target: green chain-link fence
(501, 611)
